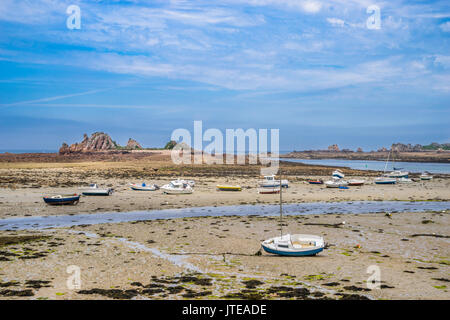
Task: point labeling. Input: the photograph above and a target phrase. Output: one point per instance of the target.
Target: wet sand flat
(21, 202)
(214, 258)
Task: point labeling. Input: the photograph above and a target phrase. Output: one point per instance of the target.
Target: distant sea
(415, 167)
(28, 150)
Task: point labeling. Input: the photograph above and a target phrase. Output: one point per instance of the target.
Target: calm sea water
(416, 167)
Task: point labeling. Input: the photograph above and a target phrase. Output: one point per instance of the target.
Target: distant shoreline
(423, 156)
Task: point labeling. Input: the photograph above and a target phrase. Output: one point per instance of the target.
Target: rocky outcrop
(333, 148)
(133, 144)
(400, 147)
(99, 141)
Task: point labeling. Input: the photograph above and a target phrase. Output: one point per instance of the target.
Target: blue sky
(141, 69)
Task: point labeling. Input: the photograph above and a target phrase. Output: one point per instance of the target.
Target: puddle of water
(356, 207)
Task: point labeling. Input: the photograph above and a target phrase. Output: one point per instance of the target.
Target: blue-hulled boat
(385, 180)
(294, 245)
(68, 199)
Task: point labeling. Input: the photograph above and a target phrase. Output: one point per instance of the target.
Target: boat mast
(281, 206)
(385, 166)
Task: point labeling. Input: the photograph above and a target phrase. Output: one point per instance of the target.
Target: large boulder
(99, 141)
(133, 144)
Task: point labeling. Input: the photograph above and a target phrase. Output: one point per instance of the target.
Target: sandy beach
(215, 257)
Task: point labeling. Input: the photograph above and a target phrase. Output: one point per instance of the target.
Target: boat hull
(97, 193)
(315, 182)
(269, 190)
(229, 188)
(309, 252)
(385, 182)
(141, 188)
(62, 201)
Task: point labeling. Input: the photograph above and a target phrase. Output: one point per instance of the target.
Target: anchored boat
(143, 187)
(397, 174)
(94, 190)
(270, 182)
(338, 174)
(62, 199)
(356, 182)
(177, 187)
(268, 190)
(385, 180)
(293, 244)
(319, 181)
(336, 183)
(426, 176)
(228, 188)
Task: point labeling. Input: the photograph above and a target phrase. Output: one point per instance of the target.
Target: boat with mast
(385, 179)
(292, 244)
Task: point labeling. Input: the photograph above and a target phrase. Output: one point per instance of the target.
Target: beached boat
(315, 181)
(397, 174)
(385, 180)
(404, 180)
(94, 190)
(336, 183)
(338, 174)
(228, 188)
(426, 176)
(143, 187)
(356, 182)
(294, 245)
(270, 182)
(177, 187)
(269, 190)
(62, 199)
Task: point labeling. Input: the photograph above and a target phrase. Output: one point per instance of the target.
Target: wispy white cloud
(54, 98)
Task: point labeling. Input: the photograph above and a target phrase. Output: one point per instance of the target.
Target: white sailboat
(293, 244)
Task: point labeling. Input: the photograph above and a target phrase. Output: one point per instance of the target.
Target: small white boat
(356, 182)
(426, 176)
(270, 182)
(294, 245)
(143, 187)
(397, 174)
(404, 180)
(338, 174)
(94, 190)
(336, 183)
(177, 187)
(385, 180)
